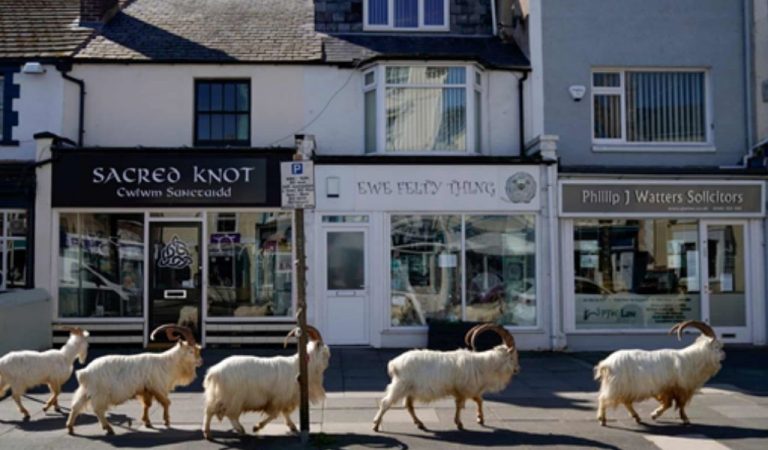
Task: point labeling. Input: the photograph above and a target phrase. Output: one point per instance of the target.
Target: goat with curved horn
(669, 375)
(428, 375)
(468, 336)
(174, 332)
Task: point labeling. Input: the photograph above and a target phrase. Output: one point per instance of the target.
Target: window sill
(660, 148)
(9, 143)
(386, 29)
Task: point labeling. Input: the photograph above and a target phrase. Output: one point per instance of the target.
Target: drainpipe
(493, 17)
(64, 68)
(521, 109)
(747, 4)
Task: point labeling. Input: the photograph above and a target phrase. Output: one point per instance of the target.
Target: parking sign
(297, 184)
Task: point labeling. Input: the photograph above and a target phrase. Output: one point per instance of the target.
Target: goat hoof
(110, 431)
(458, 426)
(148, 424)
(26, 418)
(71, 430)
(602, 422)
(376, 428)
(481, 421)
(207, 436)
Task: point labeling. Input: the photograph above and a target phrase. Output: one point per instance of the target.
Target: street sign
(297, 184)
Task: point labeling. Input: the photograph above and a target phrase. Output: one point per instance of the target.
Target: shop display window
(101, 265)
(636, 274)
(13, 249)
(250, 264)
(454, 267)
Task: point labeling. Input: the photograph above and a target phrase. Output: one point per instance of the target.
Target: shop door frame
(203, 267)
(364, 293)
(728, 335)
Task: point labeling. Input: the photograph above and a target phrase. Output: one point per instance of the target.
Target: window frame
(474, 82)
(222, 142)
(622, 144)
(390, 26)
(5, 238)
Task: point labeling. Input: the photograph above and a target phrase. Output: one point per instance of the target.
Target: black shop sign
(175, 178)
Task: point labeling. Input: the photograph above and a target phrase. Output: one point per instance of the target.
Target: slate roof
(275, 31)
(209, 31)
(489, 51)
(40, 28)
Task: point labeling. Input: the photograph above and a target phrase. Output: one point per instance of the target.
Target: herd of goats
(268, 384)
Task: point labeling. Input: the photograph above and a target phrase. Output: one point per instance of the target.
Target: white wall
(152, 105)
(761, 66)
(39, 107)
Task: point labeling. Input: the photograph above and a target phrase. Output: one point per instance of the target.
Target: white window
(422, 109)
(2, 91)
(650, 107)
(427, 15)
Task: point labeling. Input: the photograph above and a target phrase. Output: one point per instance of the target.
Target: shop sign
(589, 199)
(432, 188)
(163, 178)
(632, 311)
(297, 184)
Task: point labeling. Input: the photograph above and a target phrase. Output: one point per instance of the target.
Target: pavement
(550, 404)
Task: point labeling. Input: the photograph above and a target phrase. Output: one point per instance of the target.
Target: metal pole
(301, 310)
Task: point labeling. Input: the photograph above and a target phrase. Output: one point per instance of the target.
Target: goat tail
(391, 370)
(80, 398)
(213, 400)
(3, 387)
(602, 371)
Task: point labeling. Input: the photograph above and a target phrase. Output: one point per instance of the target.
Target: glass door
(346, 287)
(724, 280)
(175, 274)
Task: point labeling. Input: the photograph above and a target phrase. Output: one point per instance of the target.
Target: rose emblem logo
(520, 188)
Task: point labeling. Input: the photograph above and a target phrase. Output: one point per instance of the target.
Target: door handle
(175, 294)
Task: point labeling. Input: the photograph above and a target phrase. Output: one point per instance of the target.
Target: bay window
(649, 107)
(427, 15)
(463, 267)
(422, 109)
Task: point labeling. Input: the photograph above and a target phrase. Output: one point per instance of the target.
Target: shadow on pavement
(501, 437)
(669, 428)
(320, 441)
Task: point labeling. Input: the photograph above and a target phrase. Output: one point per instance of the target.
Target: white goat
(269, 385)
(668, 375)
(21, 370)
(114, 379)
(427, 375)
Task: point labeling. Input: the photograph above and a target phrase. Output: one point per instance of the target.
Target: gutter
(64, 68)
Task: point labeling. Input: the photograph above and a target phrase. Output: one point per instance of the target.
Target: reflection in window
(101, 265)
(425, 269)
(250, 270)
(13, 249)
(428, 278)
(636, 273)
(501, 269)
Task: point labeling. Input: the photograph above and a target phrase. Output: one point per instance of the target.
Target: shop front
(143, 237)
(640, 255)
(401, 246)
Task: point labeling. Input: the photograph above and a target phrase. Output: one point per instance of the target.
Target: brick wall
(345, 16)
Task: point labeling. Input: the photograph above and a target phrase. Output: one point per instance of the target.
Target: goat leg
(601, 411)
(412, 412)
(666, 403)
(632, 411)
(457, 415)
(480, 417)
(54, 400)
(289, 422)
(263, 423)
(17, 398)
(146, 401)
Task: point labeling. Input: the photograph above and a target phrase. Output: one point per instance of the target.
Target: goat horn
(73, 330)
(290, 334)
(469, 335)
(701, 326)
(174, 333)
(508, 339)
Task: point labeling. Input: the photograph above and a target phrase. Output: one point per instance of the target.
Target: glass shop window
(635, 274)
(101, 265)
(492, 261)
(13, 249)
(250, 264)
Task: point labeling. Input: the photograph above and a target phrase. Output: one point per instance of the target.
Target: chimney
(97, 12)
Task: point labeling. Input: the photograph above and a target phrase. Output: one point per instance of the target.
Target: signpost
(298, 192)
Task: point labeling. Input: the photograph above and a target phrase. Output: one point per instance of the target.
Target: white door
(346, 285)
(725, 287)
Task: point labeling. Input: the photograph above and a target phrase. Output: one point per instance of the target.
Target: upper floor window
(2, 106)
(223, 112)
(650, 107)
(406, 15)
(422, 109)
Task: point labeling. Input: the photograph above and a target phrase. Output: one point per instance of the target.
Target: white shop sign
(429, 188)
(297, 184)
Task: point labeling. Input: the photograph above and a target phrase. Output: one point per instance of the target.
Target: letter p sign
(297, 169)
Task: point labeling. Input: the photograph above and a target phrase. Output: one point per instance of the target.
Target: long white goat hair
(428, 375)
(668, 375)
(21, 370)
(266, 384)
(114, 379)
